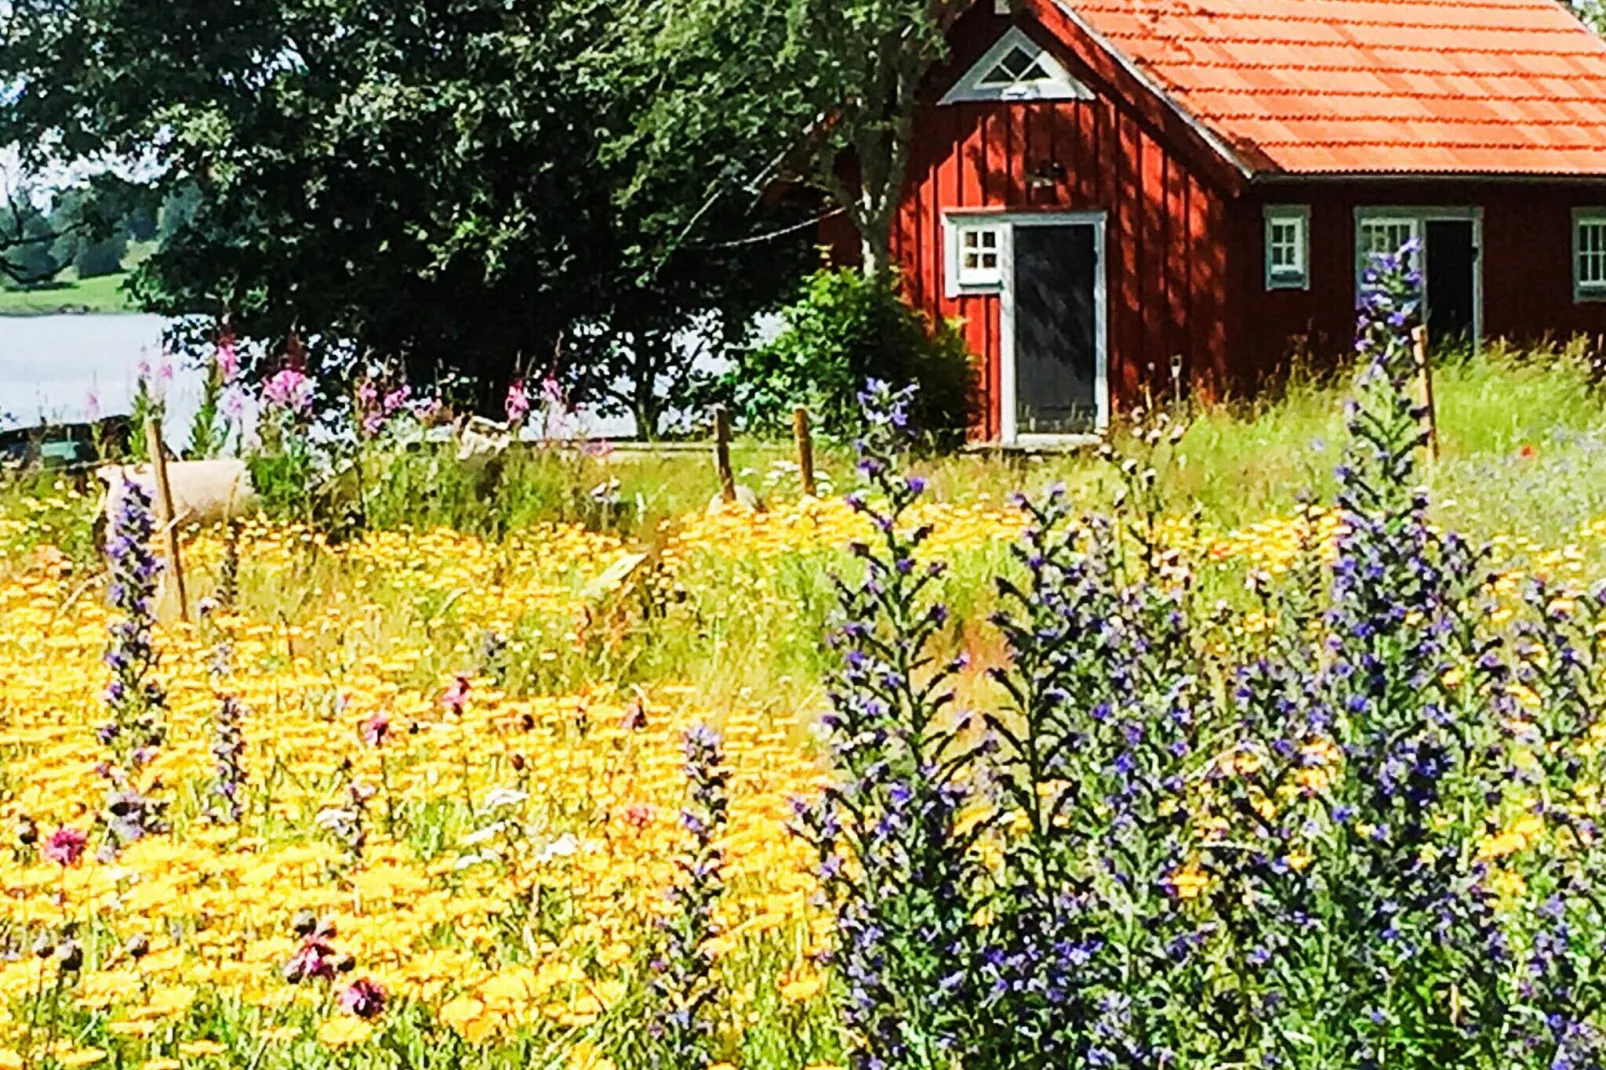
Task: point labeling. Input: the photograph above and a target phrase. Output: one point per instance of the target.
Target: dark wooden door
(1056, 329)
(1452, 263)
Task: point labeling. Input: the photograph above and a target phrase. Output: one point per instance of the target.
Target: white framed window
(1384, 235)
(975, 255)
(1017, 68)
(1589, 254)
(1287, 247)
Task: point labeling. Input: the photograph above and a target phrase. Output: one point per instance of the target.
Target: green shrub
(843, 330)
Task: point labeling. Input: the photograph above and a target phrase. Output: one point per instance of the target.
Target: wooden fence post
(722, 454)
(805, 449)
(166, 515)
(1424, 370)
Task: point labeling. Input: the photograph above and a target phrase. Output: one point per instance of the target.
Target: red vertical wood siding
(1183, 258)
(1165, 214)
(1526, 260)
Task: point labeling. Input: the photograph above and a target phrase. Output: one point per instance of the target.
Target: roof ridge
(1352, 143)
(1136, 6)
(1247, 65)
(1582, 124)
(1120, 35)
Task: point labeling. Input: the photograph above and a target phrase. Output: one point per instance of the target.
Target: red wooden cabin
(1101, 188)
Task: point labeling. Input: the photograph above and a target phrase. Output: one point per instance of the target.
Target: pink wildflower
(315, 959)
(290, 390)
(375, 729)
(228, 358)
(456, 695)
(364, 998)
(518, 402)
(65, 846)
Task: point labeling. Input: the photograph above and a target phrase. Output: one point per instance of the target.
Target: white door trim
(1008, 433)
(1419, 216)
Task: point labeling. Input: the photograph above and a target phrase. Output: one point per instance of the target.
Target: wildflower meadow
(886, 780)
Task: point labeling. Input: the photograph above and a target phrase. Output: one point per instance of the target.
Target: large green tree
(828, 88)
(434, 181)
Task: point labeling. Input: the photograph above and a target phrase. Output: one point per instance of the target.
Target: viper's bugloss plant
(134, 698)
(1093, 957)
(1365, 752)
(1553, 844)
(894, 843)
(228, 744)
(684, 985)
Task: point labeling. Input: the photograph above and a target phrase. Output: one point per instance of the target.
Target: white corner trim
(1061, 85)
(1194, 123)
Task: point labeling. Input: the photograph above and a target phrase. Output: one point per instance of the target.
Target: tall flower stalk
(683, 985)
(894, 846)
(133, 697)
(228, 744)
(1093, 957)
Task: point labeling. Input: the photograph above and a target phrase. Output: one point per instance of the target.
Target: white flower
(499, 797)
(562, 847)
(489, 832)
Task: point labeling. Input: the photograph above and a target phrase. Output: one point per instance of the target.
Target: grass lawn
(103, 294)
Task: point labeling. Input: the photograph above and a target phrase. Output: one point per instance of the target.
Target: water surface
(61, 368)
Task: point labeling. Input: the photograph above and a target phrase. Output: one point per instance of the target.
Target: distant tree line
(77, 231)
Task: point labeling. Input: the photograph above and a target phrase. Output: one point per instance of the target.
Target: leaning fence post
(805, 449)
(1424, 371)
(166, 515)
(722, 454)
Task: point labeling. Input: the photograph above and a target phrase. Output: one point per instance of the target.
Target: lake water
(51, 367)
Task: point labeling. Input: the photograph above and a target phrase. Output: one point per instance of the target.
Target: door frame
(1419, 216)
(1008, 435)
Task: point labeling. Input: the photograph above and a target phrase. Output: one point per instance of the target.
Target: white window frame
(1594, 290)
(1295, 276)
(1417, 217)
(959, 279)
(1008, 435)
(1412, 225)
(1059, 85)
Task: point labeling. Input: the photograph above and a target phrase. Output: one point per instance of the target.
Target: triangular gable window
(1017, 68)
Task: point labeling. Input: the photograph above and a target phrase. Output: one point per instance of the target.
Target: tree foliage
(829, 88)
(26, 244)
(422, 181)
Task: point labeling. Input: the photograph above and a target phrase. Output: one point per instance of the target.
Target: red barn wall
(1165, 256)
(1526, 261)
(1184, 232)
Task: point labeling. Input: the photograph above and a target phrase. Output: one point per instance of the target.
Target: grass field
(98, 295)
(442, 756)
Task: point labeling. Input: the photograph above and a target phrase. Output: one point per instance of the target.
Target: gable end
(1016, 68)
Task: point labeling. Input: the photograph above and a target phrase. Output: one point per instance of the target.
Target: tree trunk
(875, 216)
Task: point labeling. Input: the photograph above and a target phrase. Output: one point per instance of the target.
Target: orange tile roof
(1423, 86)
